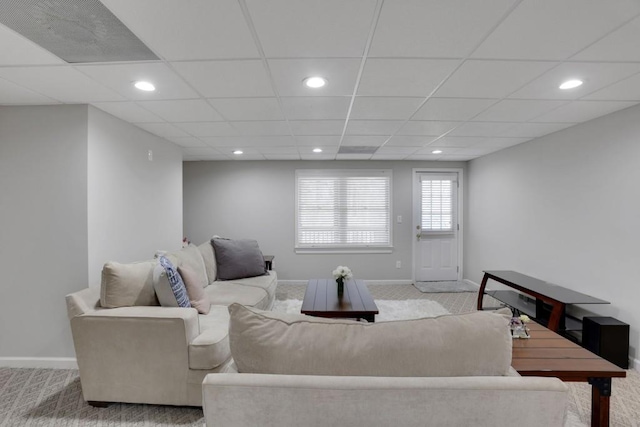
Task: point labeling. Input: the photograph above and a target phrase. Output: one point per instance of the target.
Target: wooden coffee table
(547, 354)
(321, 300)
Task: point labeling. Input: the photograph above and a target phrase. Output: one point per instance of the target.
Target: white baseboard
(634, 364)
(368, 282)
(39, 362)
(471, 282)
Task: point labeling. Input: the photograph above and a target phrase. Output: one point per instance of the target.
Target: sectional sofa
(131, 349)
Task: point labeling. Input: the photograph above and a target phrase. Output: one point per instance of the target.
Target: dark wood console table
(546, 295)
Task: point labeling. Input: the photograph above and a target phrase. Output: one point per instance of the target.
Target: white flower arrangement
(342, 272)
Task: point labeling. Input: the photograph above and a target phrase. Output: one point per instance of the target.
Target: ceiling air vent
(75, 30)
(354, 149)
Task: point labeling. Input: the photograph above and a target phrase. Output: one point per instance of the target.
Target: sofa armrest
(123, 350)
(241, 400)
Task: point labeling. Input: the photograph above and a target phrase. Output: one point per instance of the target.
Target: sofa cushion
(126, 285)
(211, 348)
(237, 259)
(268, 282)
(226, 293)
(197, 297)
(472, 344)
(191, 256)
(209, 258)
(168, 285)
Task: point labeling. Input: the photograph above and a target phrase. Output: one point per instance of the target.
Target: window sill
(379, 250)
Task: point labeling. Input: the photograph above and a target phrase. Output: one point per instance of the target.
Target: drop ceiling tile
(534, 130)
(500, 142)
(455, 142)
(318, 141)
(384, 108)
(282, 156)
(63, 84)
(250, 141)
(475, 151)
(128, 111)
(330, 28)
(594, 76)
(326, 150)
(409, 141)
(625, 90)
(316, 156)
(165, 130)
(377, 156)
(404, 77)
(620, 45)
(248, 108)
(197, 29)
(200, 151)
(457, 157)
(226, 79)
(18, 50)
(246, 157)
(427, 127)
(120, 77)
(270, 149)
(316, 107)
(11, 94)
(186, 141)
(317, 127)
(481, 129)
(199, 129)
(288, 75)
(422, 157)
(429, 150)
(257, 128)
(581, 111)
(186, 110)
(516, 110)
(452, 109)
(353, 156)
(548, 29)
(370, 140)
(491, 79)
(433, 28)
(373, 127)
(397, 150)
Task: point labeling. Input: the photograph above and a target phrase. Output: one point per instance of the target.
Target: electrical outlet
(399, 219)
(398, 264)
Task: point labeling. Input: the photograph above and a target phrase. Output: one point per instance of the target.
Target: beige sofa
(140, 352)
(447, 371)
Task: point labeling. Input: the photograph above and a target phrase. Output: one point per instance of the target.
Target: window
(437, 204)
(343, 209)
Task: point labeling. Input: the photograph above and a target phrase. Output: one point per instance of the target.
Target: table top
(558, 293)
(547, 354)
(321, 299)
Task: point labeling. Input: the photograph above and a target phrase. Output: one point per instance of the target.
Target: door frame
(414, 220)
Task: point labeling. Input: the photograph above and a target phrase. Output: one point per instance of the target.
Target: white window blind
(343, 209)
(437, 204)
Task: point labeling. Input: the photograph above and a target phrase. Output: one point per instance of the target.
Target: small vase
(340, 282)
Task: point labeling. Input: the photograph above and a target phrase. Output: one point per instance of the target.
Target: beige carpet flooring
(53, 397)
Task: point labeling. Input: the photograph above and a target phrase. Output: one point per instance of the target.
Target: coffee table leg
(370, 318)
(600, 396)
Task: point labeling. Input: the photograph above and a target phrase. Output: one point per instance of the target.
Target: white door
(436, 226)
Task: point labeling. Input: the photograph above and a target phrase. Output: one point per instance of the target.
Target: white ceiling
(408, 76)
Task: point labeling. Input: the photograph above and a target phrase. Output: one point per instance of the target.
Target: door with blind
(436, 229)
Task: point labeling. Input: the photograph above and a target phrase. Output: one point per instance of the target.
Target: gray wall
(249, 199)
(43, 226)
(564, 208)
(77, 189)
(134, 205)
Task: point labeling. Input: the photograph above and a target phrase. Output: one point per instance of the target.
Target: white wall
(564, 208)
(43, 226)
(256, 199)
(134, 205)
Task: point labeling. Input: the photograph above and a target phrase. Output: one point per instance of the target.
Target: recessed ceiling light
(315, 82)
(570, 84)
(237, 152)
(437, 152)
(146, 86)
(317, 150)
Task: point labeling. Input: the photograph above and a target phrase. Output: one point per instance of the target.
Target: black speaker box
(608, 338)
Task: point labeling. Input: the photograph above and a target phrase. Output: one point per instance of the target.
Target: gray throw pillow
(237, 259)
